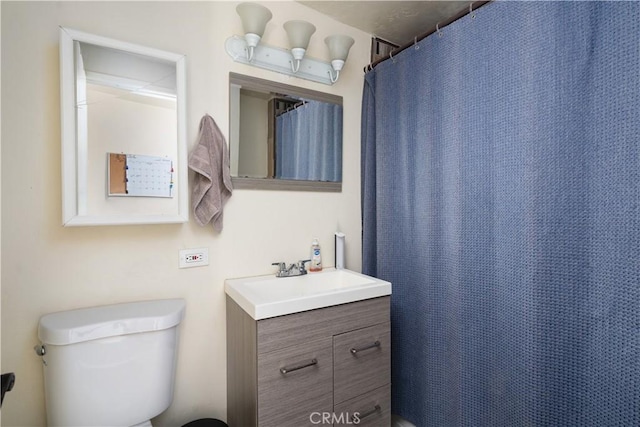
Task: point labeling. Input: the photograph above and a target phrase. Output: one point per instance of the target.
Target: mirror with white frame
(284, 137)
(124, 151)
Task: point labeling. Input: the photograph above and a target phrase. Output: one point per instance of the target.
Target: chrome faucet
(296, 269)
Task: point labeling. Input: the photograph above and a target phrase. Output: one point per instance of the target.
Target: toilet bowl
(111, 365)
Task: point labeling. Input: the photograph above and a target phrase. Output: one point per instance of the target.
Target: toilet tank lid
(85, 324)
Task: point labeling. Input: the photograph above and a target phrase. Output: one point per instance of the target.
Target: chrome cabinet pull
(359, 417)
(286, 370)
(355, 351)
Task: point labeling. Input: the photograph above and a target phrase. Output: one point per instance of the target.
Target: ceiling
(395, 21)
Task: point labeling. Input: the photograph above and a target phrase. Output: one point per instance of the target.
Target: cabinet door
(295, 382)
(371, 409)
(362, 361)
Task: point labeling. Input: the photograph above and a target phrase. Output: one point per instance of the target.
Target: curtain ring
(391, 57)
(471, 12)
(438, 30)
(415, 43)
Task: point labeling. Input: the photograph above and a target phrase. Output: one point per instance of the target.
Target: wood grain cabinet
(329, 366)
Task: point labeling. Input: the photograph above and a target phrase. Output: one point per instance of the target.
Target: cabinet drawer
(294, 382)
(284, 331)
(371, 409)
(362, 361)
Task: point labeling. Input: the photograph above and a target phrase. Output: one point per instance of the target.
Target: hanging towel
(212, 184)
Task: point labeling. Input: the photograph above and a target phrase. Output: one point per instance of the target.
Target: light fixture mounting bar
(279, 60)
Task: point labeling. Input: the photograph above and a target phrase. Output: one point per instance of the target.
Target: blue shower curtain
(309, 142)
(501, 197)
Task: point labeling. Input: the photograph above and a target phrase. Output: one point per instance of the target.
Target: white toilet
(111, 365)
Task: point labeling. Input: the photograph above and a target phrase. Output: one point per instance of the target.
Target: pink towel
(212, 184)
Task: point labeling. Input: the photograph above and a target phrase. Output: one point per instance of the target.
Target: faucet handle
(282, 269)
(301, 266)
(281, 266)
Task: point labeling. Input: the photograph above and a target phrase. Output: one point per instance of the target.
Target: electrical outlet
(194, 257)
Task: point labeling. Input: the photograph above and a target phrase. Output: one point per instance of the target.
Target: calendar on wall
(138, 175)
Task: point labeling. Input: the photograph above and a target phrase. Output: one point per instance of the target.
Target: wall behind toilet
(48, 268)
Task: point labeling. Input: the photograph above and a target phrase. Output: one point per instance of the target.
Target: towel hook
(471, 11)
(438, 30)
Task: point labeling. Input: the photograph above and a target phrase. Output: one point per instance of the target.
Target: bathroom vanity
(328, 365)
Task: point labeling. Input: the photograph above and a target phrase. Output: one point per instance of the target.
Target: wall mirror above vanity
(283, 137)
(124, 152)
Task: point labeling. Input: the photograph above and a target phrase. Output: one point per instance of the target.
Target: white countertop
(263, 297)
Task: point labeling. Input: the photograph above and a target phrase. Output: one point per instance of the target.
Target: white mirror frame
(73, 191)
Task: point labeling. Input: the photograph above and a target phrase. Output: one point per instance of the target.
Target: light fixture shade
(299, 33)
(254, 17)
(339, 46)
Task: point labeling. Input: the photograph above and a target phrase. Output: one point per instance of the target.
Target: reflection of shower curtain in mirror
(308, 143)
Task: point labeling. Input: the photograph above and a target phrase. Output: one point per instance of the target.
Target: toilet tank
(110, 365)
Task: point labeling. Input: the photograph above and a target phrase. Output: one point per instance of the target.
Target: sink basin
(269, 296)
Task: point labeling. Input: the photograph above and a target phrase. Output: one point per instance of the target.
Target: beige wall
(49, 268)
(253, 151)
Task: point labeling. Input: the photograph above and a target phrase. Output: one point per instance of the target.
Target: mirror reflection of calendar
(144, 176)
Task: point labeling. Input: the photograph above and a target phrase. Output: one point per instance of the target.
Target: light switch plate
(194, 257)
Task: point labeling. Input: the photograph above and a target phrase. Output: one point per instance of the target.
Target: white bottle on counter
(316, 257)
(339, 238)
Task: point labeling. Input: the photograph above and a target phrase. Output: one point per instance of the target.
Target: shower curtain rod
(293, 107)
(473, 6)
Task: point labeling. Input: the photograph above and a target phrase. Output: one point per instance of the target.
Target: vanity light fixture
(299, 33)
(248, 49)
(254, 20)
(339, 46)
